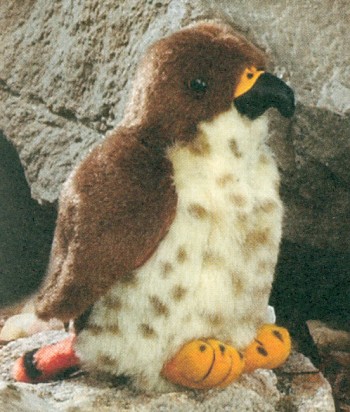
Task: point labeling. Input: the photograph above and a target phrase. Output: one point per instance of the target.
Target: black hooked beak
(265, 92)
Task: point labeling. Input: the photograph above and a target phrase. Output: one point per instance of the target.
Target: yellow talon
(209, 363)
(204, 364)
(269, 349)
(227, 366)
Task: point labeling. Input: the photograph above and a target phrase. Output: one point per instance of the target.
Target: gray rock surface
(66, 70)
(334, 349)
(328, 338)
(296, 387)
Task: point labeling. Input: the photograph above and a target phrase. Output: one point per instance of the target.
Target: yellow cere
(247, 80)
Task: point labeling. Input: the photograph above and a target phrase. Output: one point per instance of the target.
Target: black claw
(202, 348)
(262, 351)
(278, 335)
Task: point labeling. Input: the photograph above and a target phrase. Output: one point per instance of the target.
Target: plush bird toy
(168, 232)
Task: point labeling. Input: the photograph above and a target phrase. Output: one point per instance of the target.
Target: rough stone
(20, 322)
(305, 388)
(328, 338)
(26, 324)
(297, 387)
(66, 71)
(334, 349)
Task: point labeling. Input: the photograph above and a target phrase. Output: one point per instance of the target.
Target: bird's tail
(46, 363)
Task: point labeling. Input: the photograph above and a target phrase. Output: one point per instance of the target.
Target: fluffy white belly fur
(211, 275)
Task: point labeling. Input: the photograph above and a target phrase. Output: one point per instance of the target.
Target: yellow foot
(269, 349)
(204, 364)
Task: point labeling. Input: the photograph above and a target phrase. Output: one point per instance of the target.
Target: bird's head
(199, 72)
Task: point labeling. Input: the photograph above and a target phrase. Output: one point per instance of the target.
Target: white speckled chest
(211, 275)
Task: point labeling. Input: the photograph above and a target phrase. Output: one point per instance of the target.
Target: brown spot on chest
(211, 258)
(147, 331)
(215, 319)
(257, 238)
(159, 308)
(238, 283)
(112, 303)
(225, 180)
(166, 269)
(95, 330)
(105, 360)
(235, 149)
(200, 146)
(113, 329)
(242, 220)
(197, 211)
(268, 206)
(178, 293)
(264, 159)
(182, 255)
(238, 199)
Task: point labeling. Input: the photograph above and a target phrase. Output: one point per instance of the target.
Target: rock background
(65, 73)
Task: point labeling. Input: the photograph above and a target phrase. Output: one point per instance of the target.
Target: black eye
(198, 86)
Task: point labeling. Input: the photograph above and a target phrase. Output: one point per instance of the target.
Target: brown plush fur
(126, 199)
(126, 204)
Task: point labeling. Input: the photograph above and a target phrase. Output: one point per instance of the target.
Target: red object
(46, 363)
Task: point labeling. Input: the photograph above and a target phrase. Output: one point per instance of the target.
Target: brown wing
(113, 213)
